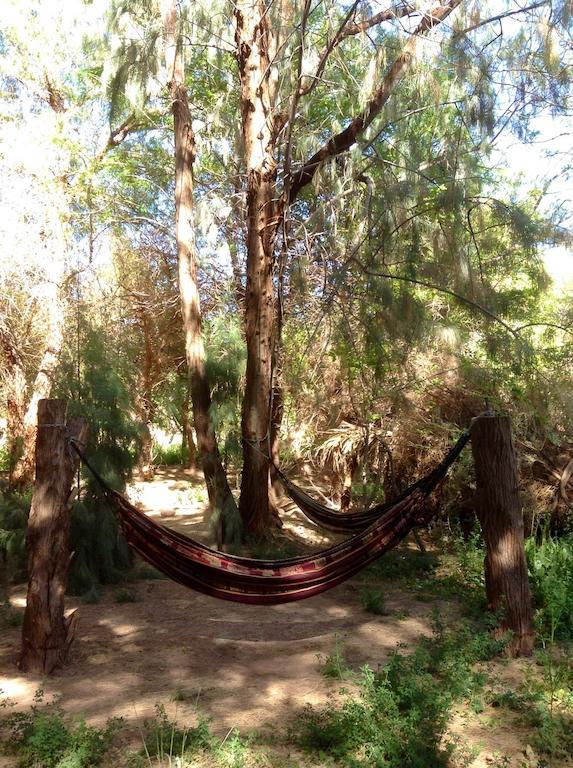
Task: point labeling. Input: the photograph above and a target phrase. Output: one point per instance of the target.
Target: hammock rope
(270, 582)
(347, 522)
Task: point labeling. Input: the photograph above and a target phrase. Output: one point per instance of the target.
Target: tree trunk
(24, 470)
(16, 392)
(220, 497)
(187, 440)
(144, 399)
(46, 632)
(501, 520)
(277, 410)
(253, 42)
(347, 480)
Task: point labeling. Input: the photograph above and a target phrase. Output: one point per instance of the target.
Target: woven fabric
(349, 522)
(260, 582)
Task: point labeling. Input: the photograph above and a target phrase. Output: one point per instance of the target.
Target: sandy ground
(246, 667)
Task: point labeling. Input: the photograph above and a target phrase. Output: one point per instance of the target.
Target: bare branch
(406, 9)
(345, 139)
(501, 16)
(327, 51)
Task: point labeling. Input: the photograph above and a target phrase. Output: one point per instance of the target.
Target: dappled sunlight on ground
(244, 666)
(178, 499)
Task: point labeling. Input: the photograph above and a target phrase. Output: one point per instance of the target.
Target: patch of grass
(144, 572)
(165, 739)
(45, 738)
(10, 616)
(549, 703)
(373, 601)
(335, 666)
(92, 596)
(458, 574)
(405, 565)
(550, 565)
(233, 751)
(277, 548)
(401, 715)
(170, 455)
(126, 596)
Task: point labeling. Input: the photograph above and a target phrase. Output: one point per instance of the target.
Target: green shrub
(4, 459)
(163, 738)
(373, 601)
(170, 455)
(335, 666)
(101, 555)
(550, 565)
(404, 564)
(45, 739)
(125, 596)
(401, 715)
(544, 703)
(92, 596)
(14, 510)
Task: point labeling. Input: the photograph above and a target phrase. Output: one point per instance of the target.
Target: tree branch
(439, 289)
(390, 13)
(501, 16)
(345, 139)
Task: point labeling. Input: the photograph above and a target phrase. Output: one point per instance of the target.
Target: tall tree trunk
(46, 632)
(252, 46)
(187, 440)
(23, 473)
(146, 406)
(220, 496)
(16, 392)
(501, 519)
(277, 410)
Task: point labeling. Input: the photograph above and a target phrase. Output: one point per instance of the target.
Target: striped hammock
(348, 522)
(261, 582)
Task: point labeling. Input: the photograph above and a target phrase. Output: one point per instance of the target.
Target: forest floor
(151, 641)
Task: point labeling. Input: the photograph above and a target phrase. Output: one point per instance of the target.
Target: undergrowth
(543, 703)
(170, 455)
(550, 565)
(334, 666)
(402, 711)
(44, 738)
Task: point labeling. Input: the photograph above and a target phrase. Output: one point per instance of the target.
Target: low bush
(335, 666)
(45, 738)
(550, 565)
(401, 714)
(373, 601)
(164, 739)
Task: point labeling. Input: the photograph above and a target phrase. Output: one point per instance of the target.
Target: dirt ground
(246, 667)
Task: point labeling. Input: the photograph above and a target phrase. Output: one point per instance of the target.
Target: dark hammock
(347, 522)
(261, 582)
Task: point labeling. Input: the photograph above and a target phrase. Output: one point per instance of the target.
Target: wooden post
(47, 633)
(501, 520)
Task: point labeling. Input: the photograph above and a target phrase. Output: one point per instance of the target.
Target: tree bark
(46, 631)
(146, 406)
(23, 473)
(16, 392)
(501, 519)
(220, 497)
(347, 480)
(253, 43)
(277, 410)
(187, 439)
